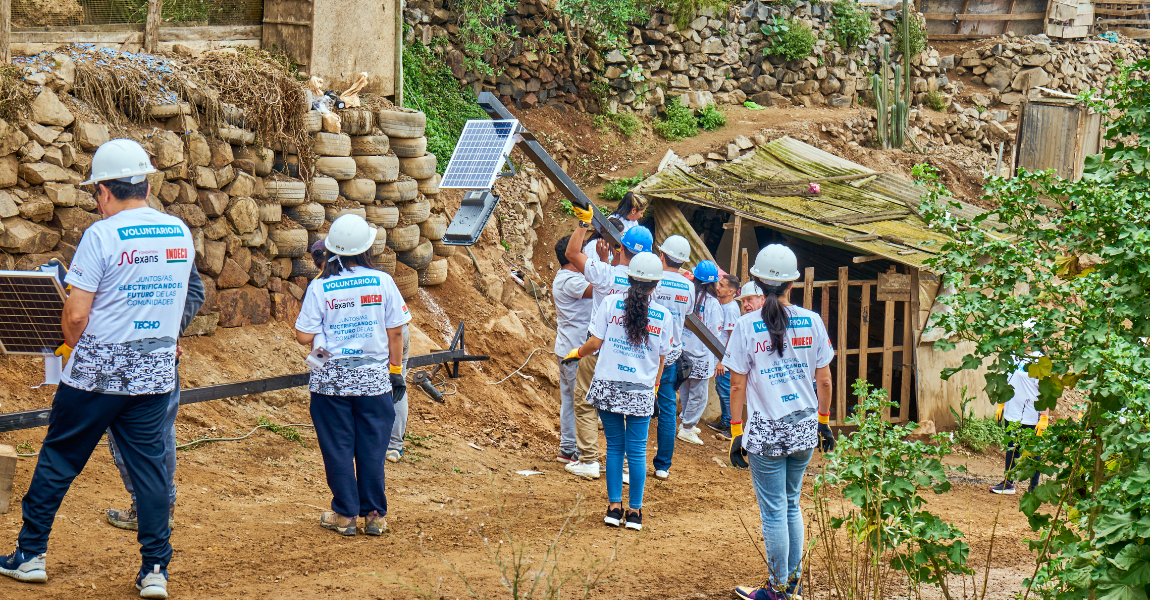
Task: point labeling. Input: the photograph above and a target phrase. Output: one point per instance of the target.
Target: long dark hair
(626, 205)
(635, 310)
(705, 289)
(334, 266)
(774, 313)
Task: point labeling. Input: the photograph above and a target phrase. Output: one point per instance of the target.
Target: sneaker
(696, 430)
(750, 593)
(567, 457)
(338, 523)
(635, 519)
(584, 470)
(127, 519)
(393, 456)
(724, 431)
(1005, 487)
(662, 474)
(374, 524)
(689, 436)
(24, 566)
(626, 479)
(614, 517)
(153, 585)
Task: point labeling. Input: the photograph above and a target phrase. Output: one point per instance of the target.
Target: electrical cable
(516, 370)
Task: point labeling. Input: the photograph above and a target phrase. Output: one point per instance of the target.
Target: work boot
(338, 523)
(126, 519)
(374, 524)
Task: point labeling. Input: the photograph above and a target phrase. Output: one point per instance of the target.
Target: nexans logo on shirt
(338, 303)
(139, 257)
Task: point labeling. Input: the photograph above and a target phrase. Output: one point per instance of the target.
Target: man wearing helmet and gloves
(360, 314)
(129, 283)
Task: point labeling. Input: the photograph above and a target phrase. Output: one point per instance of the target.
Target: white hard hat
(645, 266)
(776, 263)
(677, 248)
(349, 235)
(750, 288)
(120, 159)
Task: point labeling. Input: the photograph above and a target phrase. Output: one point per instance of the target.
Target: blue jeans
(778, 480)
(627, 435)
(77, 422)
(666, 406)
(723, 387)
(173, 401)
(353, 433)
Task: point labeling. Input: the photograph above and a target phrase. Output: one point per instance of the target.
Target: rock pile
(979, 130)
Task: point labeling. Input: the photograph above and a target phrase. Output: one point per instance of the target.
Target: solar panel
(478, 157)
(31, 305)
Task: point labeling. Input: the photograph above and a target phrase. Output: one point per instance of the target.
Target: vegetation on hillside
(429, 86)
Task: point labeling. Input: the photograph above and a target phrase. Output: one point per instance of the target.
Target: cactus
(893, 105)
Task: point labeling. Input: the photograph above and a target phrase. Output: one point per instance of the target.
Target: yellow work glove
(1043, 423)
(64, 351)
(737, 455)
(998, 413)
(571, 356)
(583, 214)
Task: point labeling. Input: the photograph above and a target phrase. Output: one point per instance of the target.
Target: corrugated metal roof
(908, 240)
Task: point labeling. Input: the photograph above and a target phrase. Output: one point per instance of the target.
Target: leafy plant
(608, 19)
(851, 24)
(976, 433)
(615, 190)
(429, 86)
(290, 434)
(483, 32)
(627, 123)
(1069, 282)
(678, 122)
(881, 525)
(935, 100)
(753, 105)
(917, 29)
(791, 39)
(710, 118)
(684, 11)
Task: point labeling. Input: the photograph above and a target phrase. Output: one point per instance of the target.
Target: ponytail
(705, 289)
(635, 310)
(774, 314)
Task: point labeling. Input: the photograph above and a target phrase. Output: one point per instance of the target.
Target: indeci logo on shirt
(802, 342)
(371, 300)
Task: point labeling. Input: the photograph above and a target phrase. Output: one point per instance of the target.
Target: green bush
(429, 86)
(565, 208)
(851, 24)
(918, 43)
(627, 123)
(685, 11)
(710, 118)
(615, 190)
(791, 39)
(935, 100)
(678, 123)
(482, 30)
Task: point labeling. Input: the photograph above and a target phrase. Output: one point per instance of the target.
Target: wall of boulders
(252, 217)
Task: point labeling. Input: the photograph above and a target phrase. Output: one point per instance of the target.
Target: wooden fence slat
(152, 26)
(6, 31)
(733, 266)
(904, 393)
(744, 267)
(978, 17)
(841, 346)
(825, 307)
(888, 351)
(808, 288)
(864, 329)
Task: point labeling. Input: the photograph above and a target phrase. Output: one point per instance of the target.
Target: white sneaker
(696, 430)
(392, 456)
(689, 436)
(626, 479)
(662, 474)
(584, 470)
(153, 585)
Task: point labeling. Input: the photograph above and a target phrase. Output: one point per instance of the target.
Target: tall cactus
(893, 105)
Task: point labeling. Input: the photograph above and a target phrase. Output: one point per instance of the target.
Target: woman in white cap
(632, 335)
(360, 314)
(779, 359)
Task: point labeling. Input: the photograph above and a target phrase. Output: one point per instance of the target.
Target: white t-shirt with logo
(592, 255)
(677, 293)
(353, 311)
(731, 314)
(781, 401)
(606, 280)
(137, 262)
(626, 375)
(1020, 408)
(572, 310)
(702, 359)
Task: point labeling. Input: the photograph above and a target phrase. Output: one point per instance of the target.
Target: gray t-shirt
(572, 310)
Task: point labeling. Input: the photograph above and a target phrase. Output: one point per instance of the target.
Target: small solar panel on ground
(478, 157)
(31, 305)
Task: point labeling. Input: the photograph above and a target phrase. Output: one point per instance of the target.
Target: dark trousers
(353, 432)
(1013, 453)
(76, 424)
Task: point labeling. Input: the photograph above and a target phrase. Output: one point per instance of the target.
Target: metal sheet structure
(1057, 134)
(31, 306)
(480, 154)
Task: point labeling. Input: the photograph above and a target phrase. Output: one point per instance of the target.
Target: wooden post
(841, 347)
(809, 288)
(744, 268)
(864, 330)
(399, 53)
(825, 306)
(733, 266)
(152, 26)
(888, 352)
(7, 464)
(6, 30)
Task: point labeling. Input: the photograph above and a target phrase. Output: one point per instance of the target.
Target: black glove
(826, 438)
(398, 387)
(738, 456)
(683, 368)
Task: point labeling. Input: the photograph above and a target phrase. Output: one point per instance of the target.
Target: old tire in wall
(397, 191)
(434, 274)
(331, 144)
(402, 239)
(418, 257)
(380, 169)
(421, 167)
(385, 261)
(290, 242)
(402, 123)
(406, 279)
(332, 212)
(304, 267)
(429, 186)
(340, 168)
(270, 212)
(355, 121)
(380, 243)
(324, 190)
(409, 147)
(416, 211)
(442, 249)
(369, 145)
(358, 190)
(382, 216)
(309, 215)
(433, 227)
(287, 193)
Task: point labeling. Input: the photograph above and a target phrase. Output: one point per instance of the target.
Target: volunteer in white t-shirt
(129, 282)
(677, 293)
(360, 314)
(1018, 413)
(694, 391)
(726, 289)
(572, 295)
(630, 210)
(632, 334)
(605, 280)
(751, 297)
(779, 360)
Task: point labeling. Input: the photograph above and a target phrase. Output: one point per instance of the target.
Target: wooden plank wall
(972, 19)
(353, 36)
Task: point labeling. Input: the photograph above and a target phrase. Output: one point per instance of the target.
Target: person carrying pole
(573, 305)
(605, 280)
(694, 391)
(360, 314)
(121, 321)
(779, 359)
(675, 292)
(725, 290)
(632, 334)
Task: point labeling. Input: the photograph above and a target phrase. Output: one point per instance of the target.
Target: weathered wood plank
(841, 345)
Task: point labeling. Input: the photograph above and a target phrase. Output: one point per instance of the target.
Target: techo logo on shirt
(150, 231)
(626, 369)
(138, 257)
(353, 282)
(338, 303)
(352, 351)
(371, 300)
(176, 255)
(146, 324)
(802, 342)
(789, 397)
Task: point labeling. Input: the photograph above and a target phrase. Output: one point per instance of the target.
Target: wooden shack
(1057, 133)
(862, 247)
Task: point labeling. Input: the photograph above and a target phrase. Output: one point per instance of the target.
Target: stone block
(47, 109)
(90, 135)
(204, 177)
(38, 208)
(209, 294)
(197, 150)
(24, 237)
(38, 173)
(202, 325)
(260, 270)
(243, 186)
(243, 306)
(8, 206)
(214, 203)
(221, 153)
(211, 261)
(225, 175)
(285, 307)
(11, 139)
(169, 149)
(169, 192)
(8, 461)
(40, 133)
(191, 214)
(232, 275)
(244, 215)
